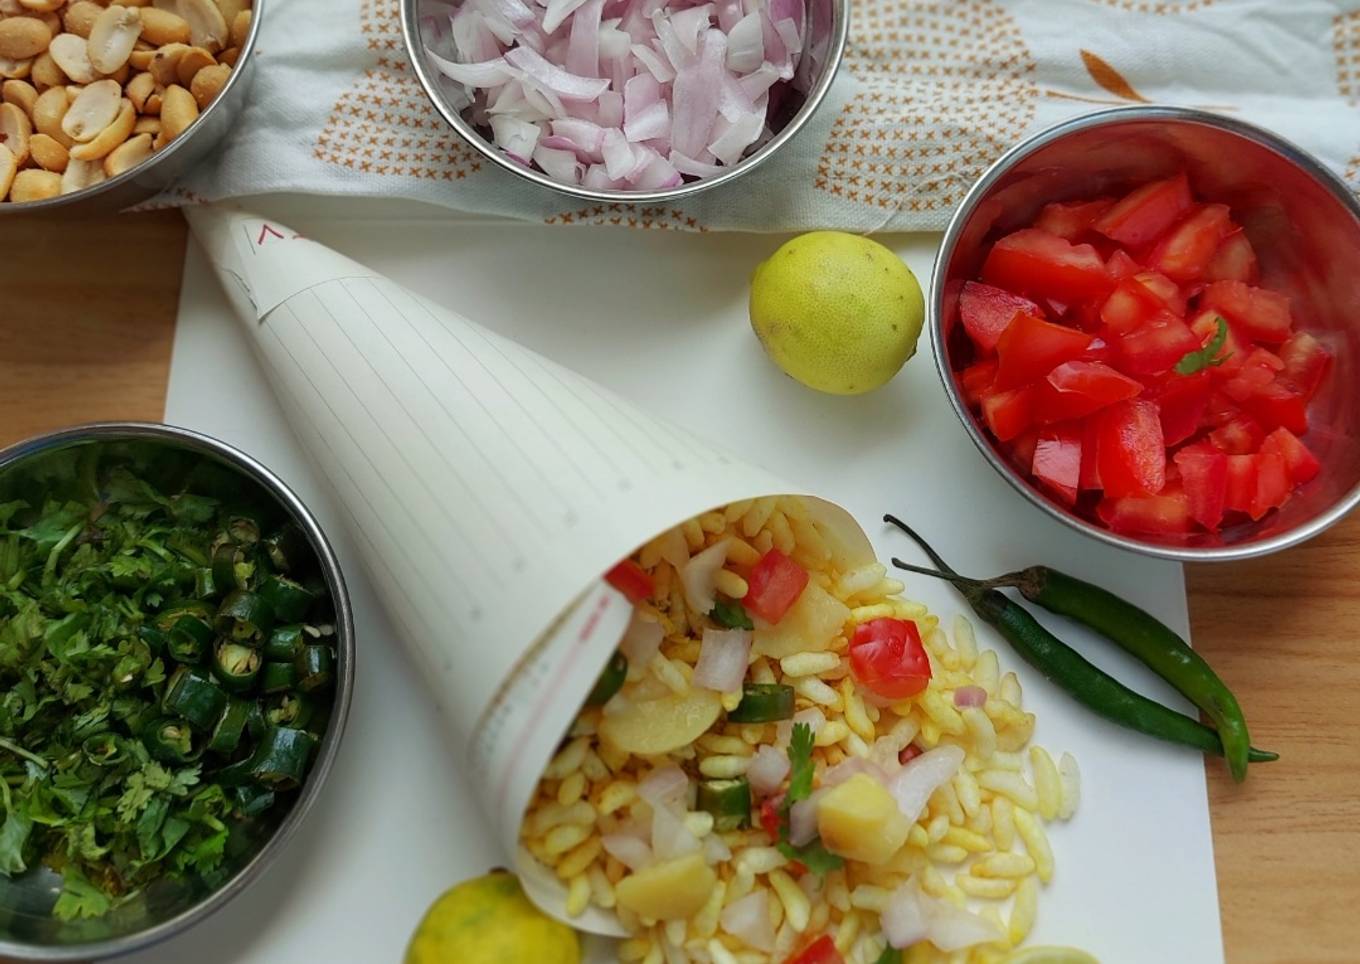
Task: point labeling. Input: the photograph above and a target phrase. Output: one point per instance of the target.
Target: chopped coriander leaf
(1206, 357)
(109, 771)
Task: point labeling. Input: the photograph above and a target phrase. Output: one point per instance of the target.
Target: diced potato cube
(667, 723)
(673, 890)
(861, 821)
(810, 625)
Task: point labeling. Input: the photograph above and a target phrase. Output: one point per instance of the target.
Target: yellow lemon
(489, 920)
(838, 312)
(1049, 955)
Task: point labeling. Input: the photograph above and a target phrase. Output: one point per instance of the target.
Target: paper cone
(488, 487)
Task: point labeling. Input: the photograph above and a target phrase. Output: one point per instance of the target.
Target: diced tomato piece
(632, 580)
(1182, 403)
(1279, 406)
(1166, 513)
(1030, 348)
(774, 585)
(1137, 300)
(1167, 291)
(1022, 449)
(1272, 483)
(1121, 264)
(769, 814)
(1238, 436)
(1155, 346)
(887, 657)
(1235, 260)
(1241, 485)
(1077, 388)
(1301, 464)
(1220, 411)
(1009, 413)
(1185, 253)
(1232, 355)
(1145, 213)
(976, 379)
(1034, 262)
(1306, 362)
(1256, 372)
(1132, 456)
(1259, 313)
(1204, 479)
(1071, 220)
(986, 311)
(821, 951)
(1057, 460)
(1090, 452)
(1098, 351)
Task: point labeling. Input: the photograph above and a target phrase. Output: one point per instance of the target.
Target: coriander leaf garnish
(1197, 361)
(731, 614)
(812, 855)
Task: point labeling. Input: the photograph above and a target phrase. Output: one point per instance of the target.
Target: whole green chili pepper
(1068, 669)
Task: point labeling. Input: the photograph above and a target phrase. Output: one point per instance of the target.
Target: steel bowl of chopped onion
(626, 100)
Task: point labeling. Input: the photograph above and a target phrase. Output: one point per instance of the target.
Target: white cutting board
(660, 317)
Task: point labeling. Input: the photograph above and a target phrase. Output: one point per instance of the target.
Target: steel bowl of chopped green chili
(176, 666)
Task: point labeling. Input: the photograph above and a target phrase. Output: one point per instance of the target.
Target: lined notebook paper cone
(487, 487)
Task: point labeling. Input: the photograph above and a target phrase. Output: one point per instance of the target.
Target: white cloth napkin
(930, 94)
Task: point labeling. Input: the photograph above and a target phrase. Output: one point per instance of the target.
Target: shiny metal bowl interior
(27, 930)
(828, 28)
(166, 166)
(1303, 222)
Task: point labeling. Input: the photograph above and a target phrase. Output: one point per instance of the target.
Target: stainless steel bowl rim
(428, 77)
(1264, 138)
(162, 156)
(344, 690)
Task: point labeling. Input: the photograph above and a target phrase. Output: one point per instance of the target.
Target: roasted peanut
(47, 153)
(207, 26)
(8, 168)
(81, 174)
(94, 109)
(147, 125)
(208, 83)
(240, 28)
(128, 155)
(164, 64)
(48, 112)
(138, 89)
(46, 73)
(12, 69)
(15, 131)
(34, 185)
(23, 38)
(162, 27)
(21, 94)
(79, 17)
(110, 137)
(112, 38)
(193, 60)
(42, 6)
(178, 111)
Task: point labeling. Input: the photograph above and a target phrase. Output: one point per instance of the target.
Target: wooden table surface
(87, 316)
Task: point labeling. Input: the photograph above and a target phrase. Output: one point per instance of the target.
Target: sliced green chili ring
(104, 749)
(315, 668)
(230, 568)
(610, 681)
(256, 722)
(284, 643)
(236, 774)
(290, 709)
(282, 758)
(154, 638)
(245, 617)
(172, 613)
(205, 584)
(288, 548)
(236, 665)
(288, 599)
(243, 526)
(277, 678)
(763, 703)
(189, 639)
(226, 735)
(170, 741)
(251, 801)
(193, 695)
(728, 800)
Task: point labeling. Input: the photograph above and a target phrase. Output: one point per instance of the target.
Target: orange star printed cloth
(929, 95)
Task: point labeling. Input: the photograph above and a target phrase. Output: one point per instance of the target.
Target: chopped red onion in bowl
(626, 95)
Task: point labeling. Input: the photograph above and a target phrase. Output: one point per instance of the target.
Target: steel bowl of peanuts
(104, 103)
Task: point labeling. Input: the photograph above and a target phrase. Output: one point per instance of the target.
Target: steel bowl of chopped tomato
(1147, 321)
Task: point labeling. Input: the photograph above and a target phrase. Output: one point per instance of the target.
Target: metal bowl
(165, 167)
(828, 27)
(27, 930)
(1303, 222)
